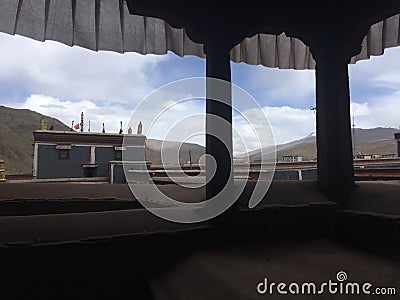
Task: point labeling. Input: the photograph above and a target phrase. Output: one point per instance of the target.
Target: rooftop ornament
(140, 128)
(82, 118)
(43, 125)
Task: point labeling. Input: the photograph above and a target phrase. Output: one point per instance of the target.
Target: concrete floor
(233, 271)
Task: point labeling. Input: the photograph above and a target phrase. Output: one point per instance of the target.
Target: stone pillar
(218, 119)
(334, 144)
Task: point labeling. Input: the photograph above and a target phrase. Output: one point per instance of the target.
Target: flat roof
(70, 137)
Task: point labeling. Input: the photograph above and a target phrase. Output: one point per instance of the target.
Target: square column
(218, 120)
(334, 143)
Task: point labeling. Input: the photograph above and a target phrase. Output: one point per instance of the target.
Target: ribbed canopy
(108, 25)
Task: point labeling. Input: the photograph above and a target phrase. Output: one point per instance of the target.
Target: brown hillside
(16, 129)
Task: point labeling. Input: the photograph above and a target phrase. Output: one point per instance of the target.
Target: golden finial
(43, 125)
(139, 128)
(130, 130)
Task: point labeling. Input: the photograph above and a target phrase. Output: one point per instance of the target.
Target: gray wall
(49, 166)
(398, 148)
(103, 156)
(119, 176)
(285, 175)
(133, 154)
(309, 174)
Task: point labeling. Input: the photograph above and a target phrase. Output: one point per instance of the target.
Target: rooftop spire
(82, 117)
(43, 125)
(140, 128)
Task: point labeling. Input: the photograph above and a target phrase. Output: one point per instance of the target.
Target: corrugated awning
(108, 25)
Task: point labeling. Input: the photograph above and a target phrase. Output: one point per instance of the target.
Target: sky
(61, 81)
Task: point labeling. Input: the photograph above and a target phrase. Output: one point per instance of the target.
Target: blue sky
(62, 81)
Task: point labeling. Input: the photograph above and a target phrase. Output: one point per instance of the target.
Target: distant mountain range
(378, 140)
(187, 152)
(16, 141)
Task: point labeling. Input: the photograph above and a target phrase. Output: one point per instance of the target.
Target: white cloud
(290, 123)
(177, 123)
(57, 70)
(63, 81)
(382, 112)
(68, 111)
(379, 71)
(359, 109)
(294, 88)
(185, 119)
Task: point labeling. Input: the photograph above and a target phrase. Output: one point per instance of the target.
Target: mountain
(16, 141)
(16, 129)
(170, 148)
(378, 140)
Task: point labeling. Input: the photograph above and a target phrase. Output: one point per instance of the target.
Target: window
(118, 154)
(63, 154)
(90, 172)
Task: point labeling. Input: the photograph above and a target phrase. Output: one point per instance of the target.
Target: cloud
(178, 122)
(381, 72)
(57, 70)
(290, 123)
(183, 120)
(276, 87)
(381, 112)
(174, 121)
(68, 111)
(62, 81)
(359, 109)
(375, 90)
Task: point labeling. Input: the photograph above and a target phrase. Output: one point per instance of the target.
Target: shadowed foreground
(294, 235)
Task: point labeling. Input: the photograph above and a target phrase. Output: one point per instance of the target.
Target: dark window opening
(118, 154)
(63, 154)
(90, 172)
